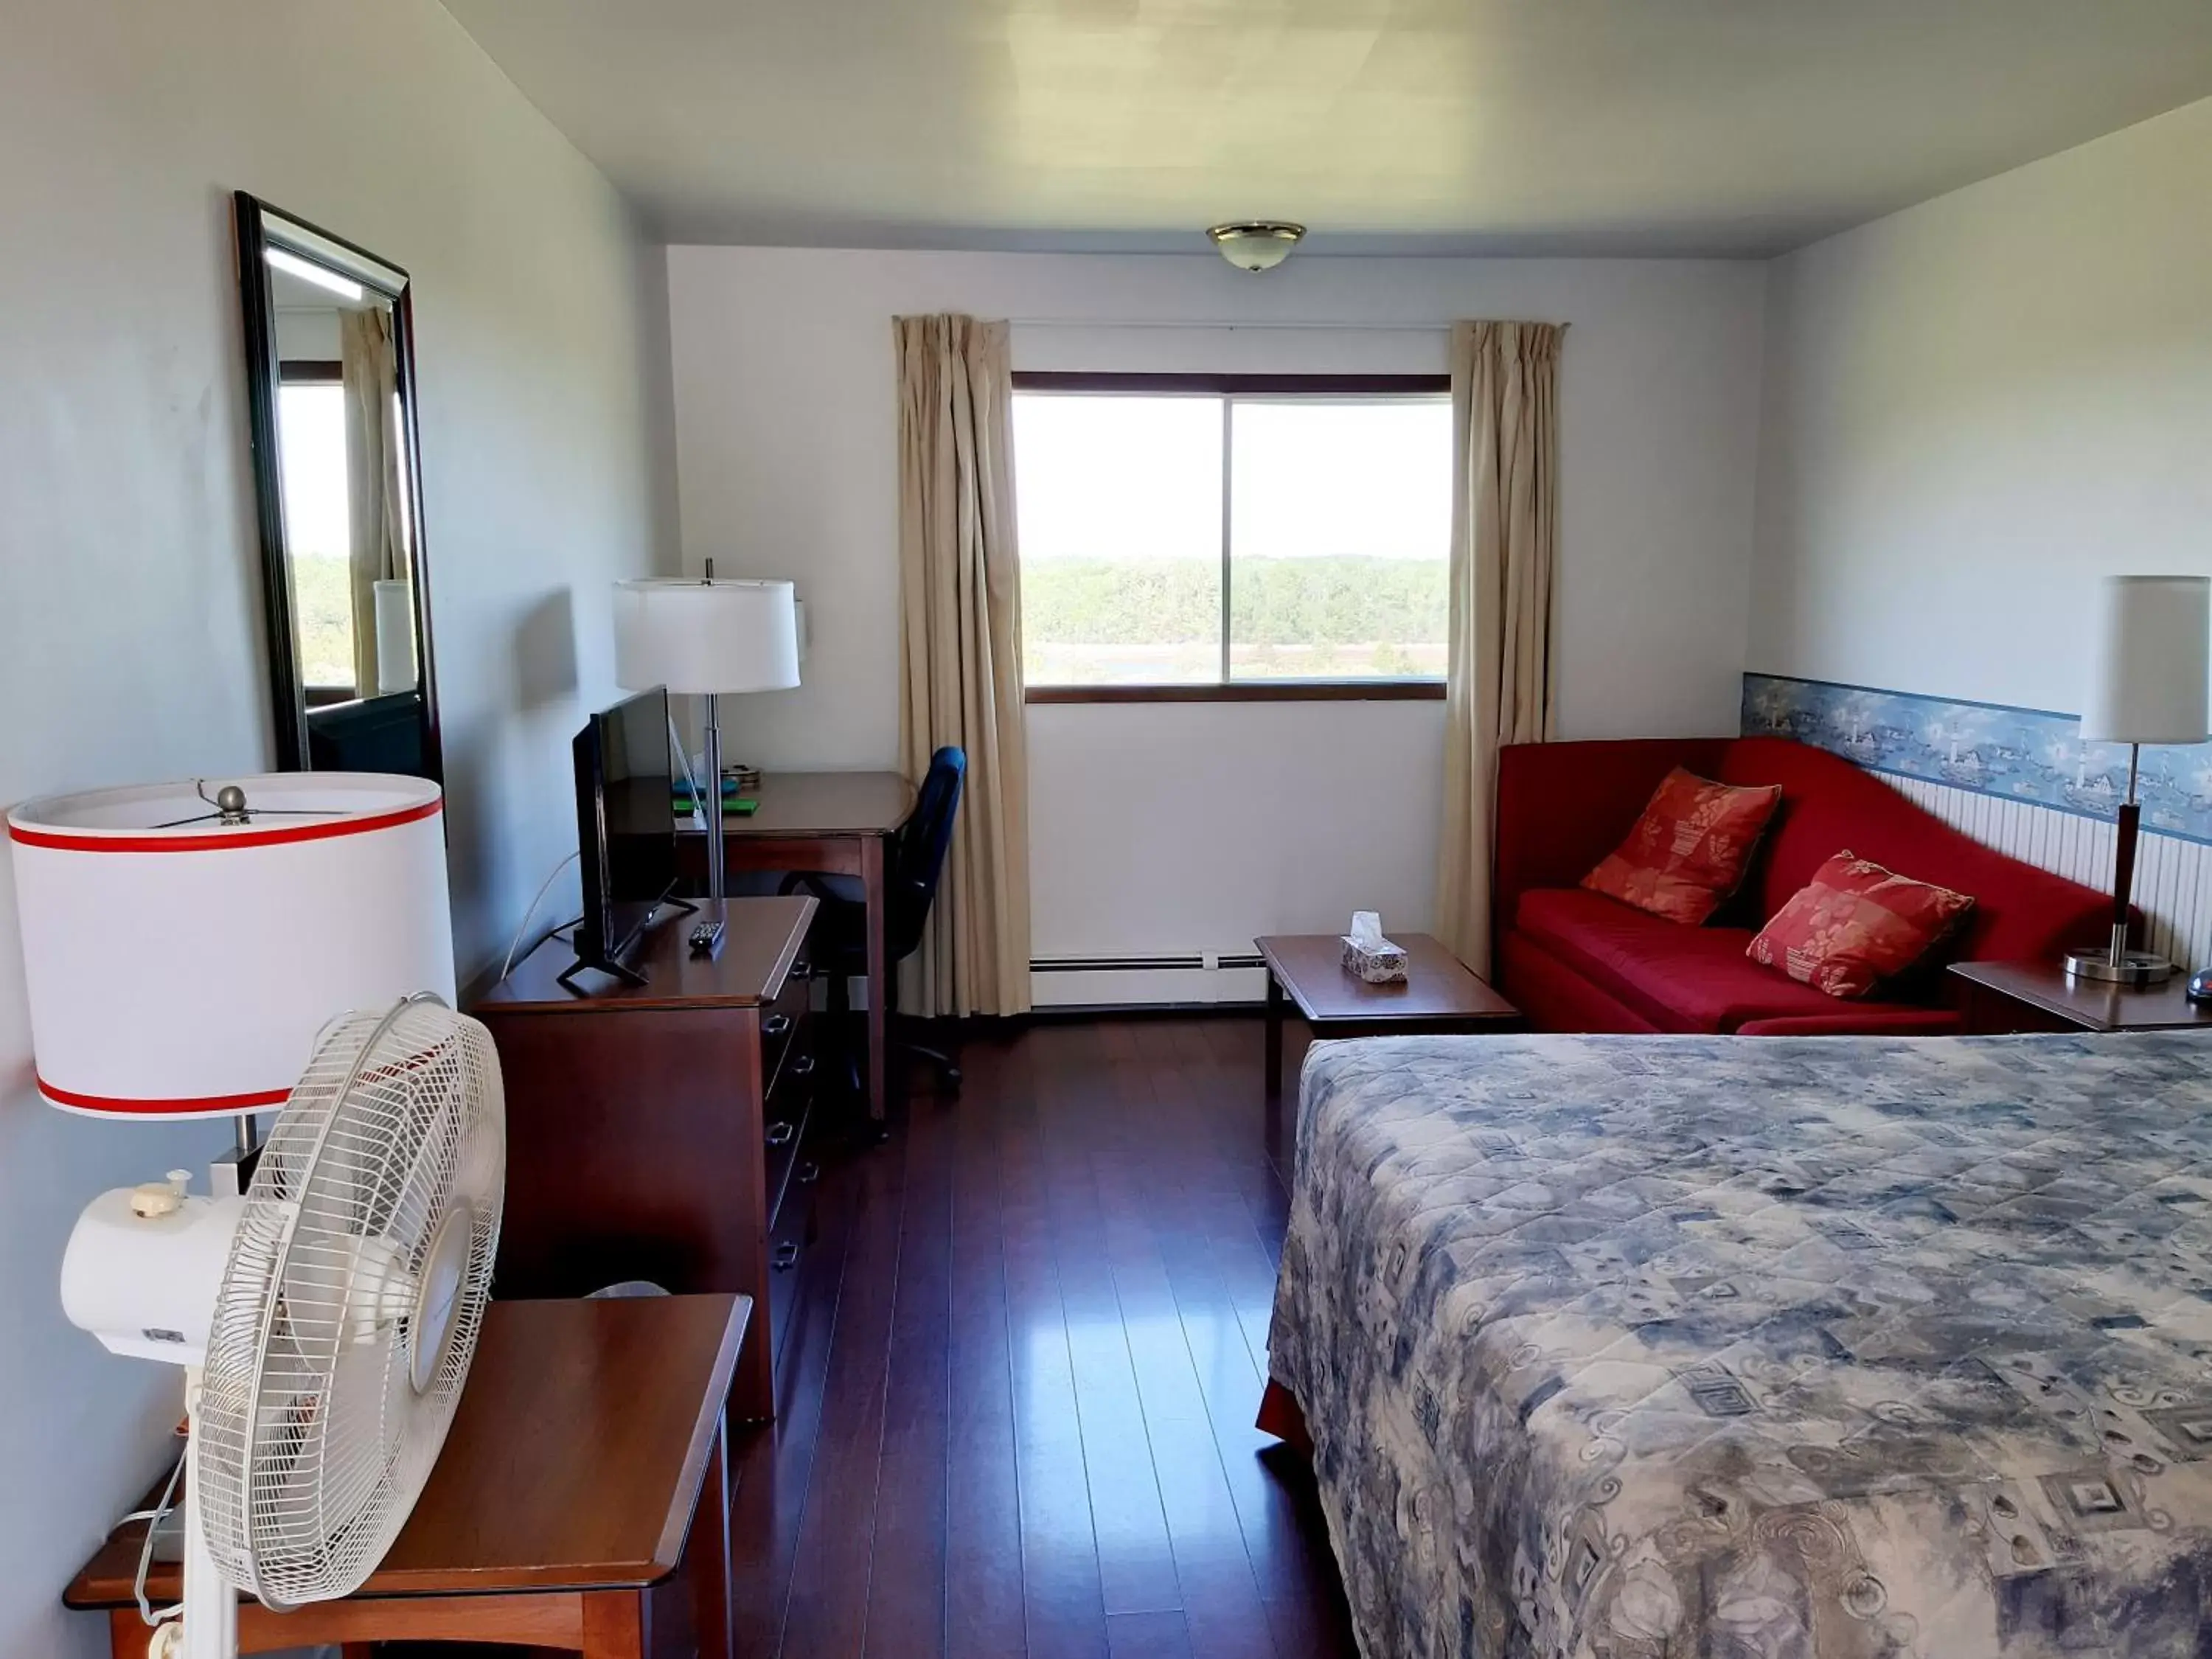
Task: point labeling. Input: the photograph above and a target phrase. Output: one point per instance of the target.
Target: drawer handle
(802, 969)
(809, 1173)
(803, 1066)
(785, 1259)
(779, 1133)
(775, 1024)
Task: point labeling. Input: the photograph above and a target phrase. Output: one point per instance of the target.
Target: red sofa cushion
(1555, 996)
(1681, 979)
(1690, 848)
(1855, 925)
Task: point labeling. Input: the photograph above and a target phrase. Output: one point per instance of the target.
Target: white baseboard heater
(1131, 981)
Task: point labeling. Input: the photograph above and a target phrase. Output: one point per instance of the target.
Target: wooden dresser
(665, 1131)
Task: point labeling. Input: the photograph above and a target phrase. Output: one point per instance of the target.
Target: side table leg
(710, 1554)
(1275, 1036)
(616, 1626)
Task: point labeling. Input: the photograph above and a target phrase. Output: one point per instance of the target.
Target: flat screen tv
(625, 828)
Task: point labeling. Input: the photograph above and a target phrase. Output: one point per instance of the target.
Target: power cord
(152, 1518)
(543, 887)
(698, 819)
(683, 759)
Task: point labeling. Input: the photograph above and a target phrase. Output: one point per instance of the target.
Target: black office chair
(914, 861)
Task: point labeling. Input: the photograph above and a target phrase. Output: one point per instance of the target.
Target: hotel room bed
(1633, 1346)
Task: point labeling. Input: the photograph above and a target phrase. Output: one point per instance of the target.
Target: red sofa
(1576, 960)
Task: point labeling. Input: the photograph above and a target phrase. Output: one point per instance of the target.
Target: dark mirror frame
(261, 227)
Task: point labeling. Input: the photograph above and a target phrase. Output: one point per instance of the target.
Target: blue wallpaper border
(1992, 749)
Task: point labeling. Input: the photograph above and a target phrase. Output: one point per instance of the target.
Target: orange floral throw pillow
(1689, 850)
(1855, 925)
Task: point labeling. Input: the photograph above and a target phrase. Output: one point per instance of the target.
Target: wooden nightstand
(580, 1502)
(2019, 996)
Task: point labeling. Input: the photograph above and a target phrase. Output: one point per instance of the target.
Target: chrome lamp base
(2133, 967)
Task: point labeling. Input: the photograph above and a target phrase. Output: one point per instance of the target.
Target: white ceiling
(1663, 127)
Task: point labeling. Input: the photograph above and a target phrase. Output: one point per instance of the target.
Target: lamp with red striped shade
(184, 943)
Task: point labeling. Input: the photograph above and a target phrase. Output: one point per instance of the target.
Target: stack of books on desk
(736, 801)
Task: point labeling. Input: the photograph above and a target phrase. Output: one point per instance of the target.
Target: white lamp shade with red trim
(179, 966)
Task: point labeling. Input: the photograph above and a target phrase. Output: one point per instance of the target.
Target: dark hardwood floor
(1022, 1371)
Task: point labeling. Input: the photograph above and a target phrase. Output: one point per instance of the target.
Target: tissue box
(1380, 964)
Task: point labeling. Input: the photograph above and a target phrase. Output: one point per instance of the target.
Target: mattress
(1638, 1347)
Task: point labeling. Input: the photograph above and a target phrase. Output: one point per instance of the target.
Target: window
(317, 527)
(1239, 535)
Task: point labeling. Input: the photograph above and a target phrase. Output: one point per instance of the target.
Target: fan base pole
(211, 1604)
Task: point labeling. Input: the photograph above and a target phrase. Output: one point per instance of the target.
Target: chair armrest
(1864, 1022)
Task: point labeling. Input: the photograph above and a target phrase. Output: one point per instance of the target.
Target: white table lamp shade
(180, 967)
(703, 638)
(2148, 660)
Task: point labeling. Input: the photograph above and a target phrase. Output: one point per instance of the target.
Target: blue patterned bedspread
(1628, 1348)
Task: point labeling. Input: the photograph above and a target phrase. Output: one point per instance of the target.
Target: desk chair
(916, 859)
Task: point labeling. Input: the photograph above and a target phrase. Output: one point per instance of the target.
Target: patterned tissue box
(1381, 964)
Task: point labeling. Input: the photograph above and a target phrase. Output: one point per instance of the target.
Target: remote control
(706, 938)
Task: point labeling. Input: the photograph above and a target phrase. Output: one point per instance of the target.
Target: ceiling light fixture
(1256, 244)
(308, 272)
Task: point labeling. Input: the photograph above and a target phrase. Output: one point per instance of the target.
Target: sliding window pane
(1340, 531)
(1118, 505)
(317, 530)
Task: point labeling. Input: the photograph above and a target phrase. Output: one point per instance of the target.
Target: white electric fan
(326, 1319)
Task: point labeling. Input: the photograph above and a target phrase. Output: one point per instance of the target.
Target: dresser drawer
(788, 1242)
(789, 1139)
(784, 1021)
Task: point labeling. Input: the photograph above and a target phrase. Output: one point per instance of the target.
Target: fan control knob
(153, 1198)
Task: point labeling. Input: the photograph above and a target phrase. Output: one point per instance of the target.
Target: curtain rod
(1232, 328)
(1228, 327)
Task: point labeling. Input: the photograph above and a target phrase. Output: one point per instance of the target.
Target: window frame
(1289, 386)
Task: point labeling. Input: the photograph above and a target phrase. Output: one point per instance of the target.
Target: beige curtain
(960, 654)
(369, 369)
(1505, 509)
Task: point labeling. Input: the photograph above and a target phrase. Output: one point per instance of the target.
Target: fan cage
(314, 1442)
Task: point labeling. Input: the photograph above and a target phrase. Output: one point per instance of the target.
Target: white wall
(1975, 407)
(1190, 828)
(130, 632)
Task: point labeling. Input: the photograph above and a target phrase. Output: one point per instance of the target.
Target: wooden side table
(1439, 993)
(2003, 997)
(559, 1512)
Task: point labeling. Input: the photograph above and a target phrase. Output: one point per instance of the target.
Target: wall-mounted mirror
(330, 367)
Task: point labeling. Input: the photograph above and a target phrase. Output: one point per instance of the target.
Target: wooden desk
(2026, 996)
(1439, 993)
(559, 1511)
(664, 1131)
(836, 823)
